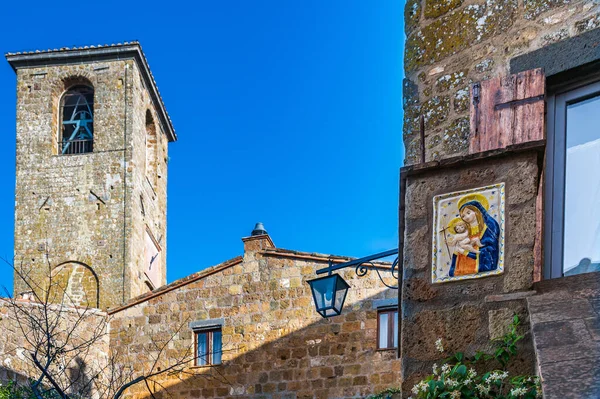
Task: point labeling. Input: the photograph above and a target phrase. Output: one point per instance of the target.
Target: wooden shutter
(507, 110)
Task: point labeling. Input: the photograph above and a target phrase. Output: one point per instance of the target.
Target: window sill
(386, 349)
(74, 154)
(206, 366)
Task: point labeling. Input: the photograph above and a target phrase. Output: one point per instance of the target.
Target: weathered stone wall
(275, 344)
(467, 314)
(451, 43)
(15, 350)
(85, 209)
(149, 185)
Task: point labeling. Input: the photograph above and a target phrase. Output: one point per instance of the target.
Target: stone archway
(75, 283)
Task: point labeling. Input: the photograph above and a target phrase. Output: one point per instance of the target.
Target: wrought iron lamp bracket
(363, 265)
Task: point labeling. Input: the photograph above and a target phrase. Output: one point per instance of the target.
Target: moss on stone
(456, 136)
(435, 111)
(410, 127)
(587, 24)
(436, 8)
(410, 93)
(533, 8)
(457, 31)
(461, 100)
(484, 66)
(556, 36)
(411, 155)
(451, 81)
(433, 141)
(412, 15)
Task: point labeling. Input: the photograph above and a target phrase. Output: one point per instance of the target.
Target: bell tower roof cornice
(77, 55)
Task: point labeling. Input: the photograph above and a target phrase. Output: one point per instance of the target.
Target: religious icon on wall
(468, 234)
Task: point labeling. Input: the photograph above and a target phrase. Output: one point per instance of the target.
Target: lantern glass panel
(323, 292)
(329, 293)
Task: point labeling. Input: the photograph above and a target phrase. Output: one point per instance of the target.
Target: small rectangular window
(387, 329)
(208, 346)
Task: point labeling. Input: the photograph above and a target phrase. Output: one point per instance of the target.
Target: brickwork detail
(85, 208)
(275, 345)
(453, 43)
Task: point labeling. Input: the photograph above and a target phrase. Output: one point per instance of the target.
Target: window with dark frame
(572, 215)
(77, 120)
(387, 328)
(209, 346)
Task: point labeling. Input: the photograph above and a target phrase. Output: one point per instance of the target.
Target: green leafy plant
(385, 394)
(11, 390)
(457, 377)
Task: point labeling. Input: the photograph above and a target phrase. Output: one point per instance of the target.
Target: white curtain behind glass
(582, 188)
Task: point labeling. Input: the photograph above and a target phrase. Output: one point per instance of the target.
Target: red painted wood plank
(495, 127)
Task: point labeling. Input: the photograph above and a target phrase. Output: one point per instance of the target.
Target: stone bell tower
(91, 173)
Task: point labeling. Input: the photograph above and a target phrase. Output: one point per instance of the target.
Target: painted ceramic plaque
(468, 234)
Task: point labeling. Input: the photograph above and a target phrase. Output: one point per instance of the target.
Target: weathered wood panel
(509, 110)
(538, 251)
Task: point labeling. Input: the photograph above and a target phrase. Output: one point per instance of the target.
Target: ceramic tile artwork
(468, 234)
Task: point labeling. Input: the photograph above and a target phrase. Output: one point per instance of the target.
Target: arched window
(151, 149)
(77, 120)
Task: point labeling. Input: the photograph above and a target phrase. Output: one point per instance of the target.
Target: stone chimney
(259, 239)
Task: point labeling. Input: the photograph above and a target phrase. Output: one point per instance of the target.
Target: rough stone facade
(275, 345)
(87, 215)
(466, 314)
(452, 43)
(565, 320)
(16, 349)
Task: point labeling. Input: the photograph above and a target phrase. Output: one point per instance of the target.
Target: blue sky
(287, 112)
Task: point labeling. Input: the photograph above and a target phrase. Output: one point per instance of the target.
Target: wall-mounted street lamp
(329, 292)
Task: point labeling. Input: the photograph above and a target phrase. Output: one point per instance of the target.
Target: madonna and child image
(468, 234)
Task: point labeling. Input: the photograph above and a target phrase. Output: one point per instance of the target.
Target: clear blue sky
(287, 112)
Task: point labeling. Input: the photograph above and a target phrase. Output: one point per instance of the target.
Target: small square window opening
(387, 329)
(209, 347)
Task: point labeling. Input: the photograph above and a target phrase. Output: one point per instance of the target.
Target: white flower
(438, 345)
(518, 391)
(455, 395)
(421, 386)
(435, 369)
(451, 383)
(496, 375)
(483, 389)
(472, 373)
(445, 368)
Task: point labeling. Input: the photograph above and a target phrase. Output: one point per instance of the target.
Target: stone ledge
(565, 324)
(509, 297)
(485, 156)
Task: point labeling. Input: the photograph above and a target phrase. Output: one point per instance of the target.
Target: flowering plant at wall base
(457, 377)
(389, 393)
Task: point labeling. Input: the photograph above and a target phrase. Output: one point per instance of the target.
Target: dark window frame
(80, 123)
(209, 357)
(561, 94)
(391, 336)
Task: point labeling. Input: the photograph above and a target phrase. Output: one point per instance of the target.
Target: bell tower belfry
(91, 173)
